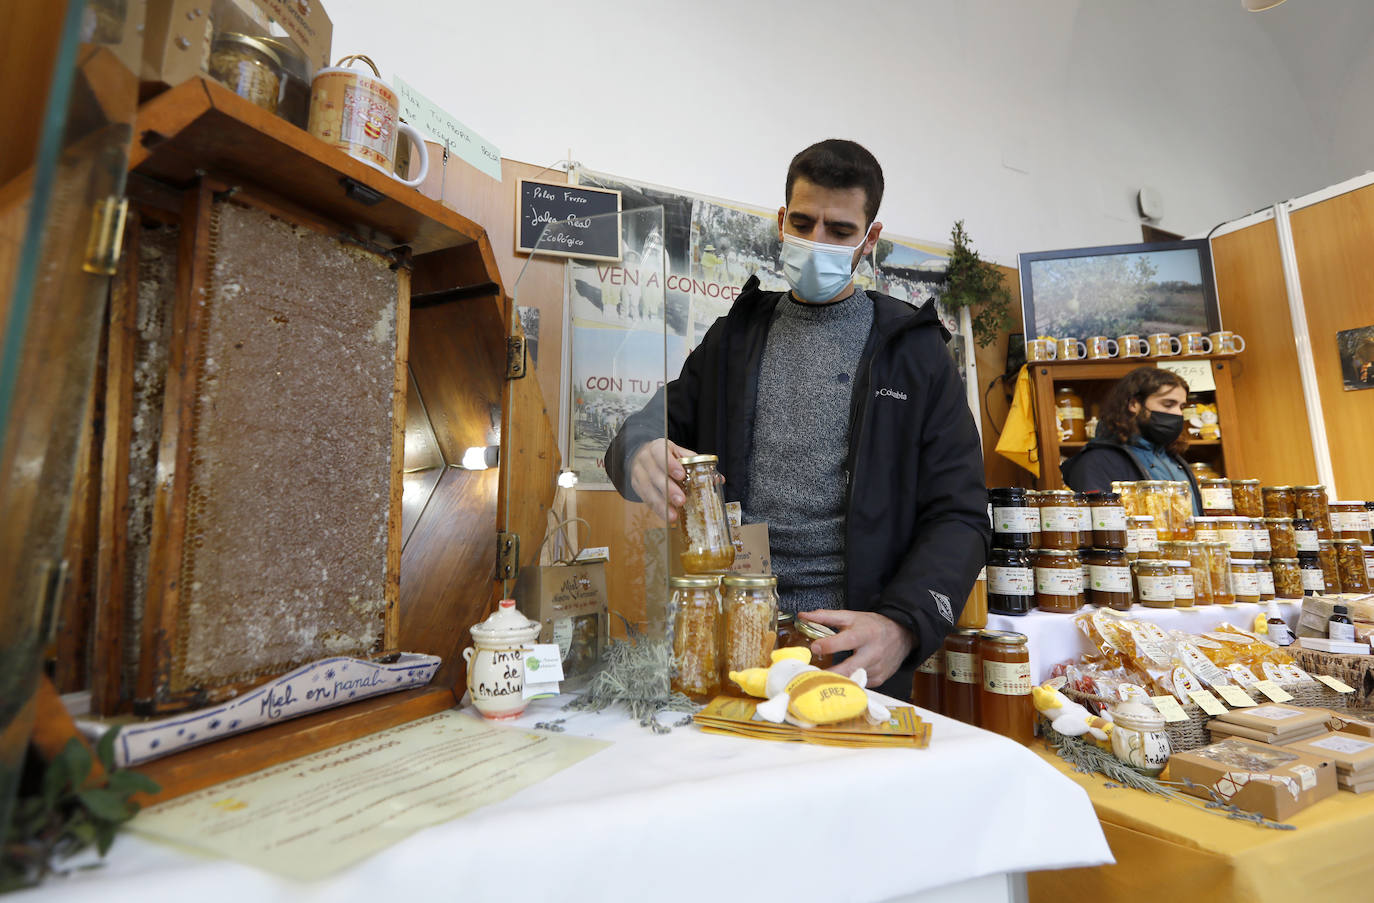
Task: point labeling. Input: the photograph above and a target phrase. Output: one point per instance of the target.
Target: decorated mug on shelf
(1100, 347)
(1164, 345)
(1070, 350)
(361, 116)
(1041, 349)
(1195, 343)
(1227, 342)
(1132, 346)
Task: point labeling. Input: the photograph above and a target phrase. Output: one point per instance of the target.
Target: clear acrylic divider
(613, 336)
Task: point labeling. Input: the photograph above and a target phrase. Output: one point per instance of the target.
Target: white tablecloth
(689, 816)
(1056, 638)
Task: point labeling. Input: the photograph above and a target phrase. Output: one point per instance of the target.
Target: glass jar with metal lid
(1033, 500)
(749, 604)
(963, 675)
(705, 530)
(795, 631)
(248, 67)
(1142, 540)
(1109, 520)
(1059, 519)
(975, 610)
(1154, 582)
(694, 612)
(1085, 520)
(1130, 497)
(1014, 518)
(1313, 577)
(1157, 501)
(1181, 498)
(1219, 572)
(1369, 563)
(1260, 546)
(1350, 565)
(1058, 580)
(1196, 554)
(1246, 496)
(928, 686)
(1283, 542)
(1279, 501)
(293, 103)
(1266, 580)
(1182, 571)
(1011, 582)
(1068, 409)
(1350, 520)
(1217, 500)
(1287, 578)
(1109, 579)
(1331, 573)
(1235, 532)
(1311, 501)
(1207, 529)
(1005, 702)
(1244, 580)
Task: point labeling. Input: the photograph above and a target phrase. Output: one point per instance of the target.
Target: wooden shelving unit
(1093, 378)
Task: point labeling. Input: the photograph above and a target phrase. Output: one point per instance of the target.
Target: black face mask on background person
(1161, 428)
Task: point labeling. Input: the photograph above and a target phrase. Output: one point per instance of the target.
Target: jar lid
(1210, 519)
(1005, 637)
(1154, 483)
(1213, 480)
(1137, 716)
(1007, 492)
(966, 631)
(1310, 488)
(1056, 553)
(1323, 542)
(233, 37)
(699, 459)
(1245, 482)
(1277, 489)
(811, 630)
(694, 581)
(1218, 546)
(1056, 493)
(1345, 542)
(1178, 563)
(1278, 520)
(1244, 561)
(1283, 561)
(506, 624)
(1107, 498)
(1358, 504)
(749, 580)
(785, 618)
(1141, 517)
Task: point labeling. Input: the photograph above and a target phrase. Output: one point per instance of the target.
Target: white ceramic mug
(361, 116)
(1164, 345)
(1227, 342)
(1040, 350)
(1100, 347)
(1133, 346)
(1196, 343)
(1071, 350)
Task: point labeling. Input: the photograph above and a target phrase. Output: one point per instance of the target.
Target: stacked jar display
(1015, 526)
(695, 612)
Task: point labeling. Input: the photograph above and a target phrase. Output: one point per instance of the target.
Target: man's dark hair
(1115, 419)
(836, 163)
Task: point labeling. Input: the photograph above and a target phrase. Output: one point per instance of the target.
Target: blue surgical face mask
(817, 272)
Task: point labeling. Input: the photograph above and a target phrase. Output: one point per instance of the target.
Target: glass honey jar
(1331, 574)
(1142, 539)
(1246, 496)
(1014, 518)
(1311, 501)
(1311, 573)
(963, 675)
(1350, 520)
(1283, 542)
(1005, 701)
(1350, 565)
(1279, 501)
(1287, 578)
(1266, 580)
(1058, 580)
(1244, 580)
(707, 547)
(1108, 520)
(1011, 582)
(1154, 582)
(1181, 500)
(1109, 579)
(1059, 519)
(928, 686)
(749, 606)
(1068, 410)
(1305, 534)
(1219, 572)
(694, 612)
(1085, 520)
(1207, 529)
(1182, 572)
(1217, 500)
(1157, 500)
(1261, 547)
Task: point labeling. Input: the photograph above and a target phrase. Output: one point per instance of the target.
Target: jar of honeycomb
(705, 530)
(749, 606)
(694, 613)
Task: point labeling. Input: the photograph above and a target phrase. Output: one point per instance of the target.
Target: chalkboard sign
(567, 220)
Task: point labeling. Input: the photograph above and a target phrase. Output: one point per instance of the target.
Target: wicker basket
(1355, 670)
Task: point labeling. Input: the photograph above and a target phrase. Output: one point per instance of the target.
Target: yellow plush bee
(802, 694)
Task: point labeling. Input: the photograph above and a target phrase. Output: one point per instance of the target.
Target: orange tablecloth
(1170, 852)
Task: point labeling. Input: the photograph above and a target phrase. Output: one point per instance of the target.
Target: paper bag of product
(568, 599)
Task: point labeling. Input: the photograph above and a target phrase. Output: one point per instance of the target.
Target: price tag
(1168, 707)
(543, 670)
(1333, 683)
(1207, 702)
(1273, 690)
(1235, 696)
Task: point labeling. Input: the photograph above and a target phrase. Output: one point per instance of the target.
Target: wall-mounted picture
(1356, 348)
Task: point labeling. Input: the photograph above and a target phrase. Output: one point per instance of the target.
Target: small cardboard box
(751, 550)
(1349, 724)
(1276, 719)
(1353, 755)
(569, 602)
(1274, 781)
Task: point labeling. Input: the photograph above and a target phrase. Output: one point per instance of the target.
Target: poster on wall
(678, 275)
(1356, 350)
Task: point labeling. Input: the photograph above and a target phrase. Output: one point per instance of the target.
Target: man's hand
(650, 480)
(879, 643)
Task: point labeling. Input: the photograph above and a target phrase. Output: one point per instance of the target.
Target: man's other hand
(878, 643)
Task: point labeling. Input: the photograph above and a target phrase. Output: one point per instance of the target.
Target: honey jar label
(1106, 517)
(959, 667)
(1057, 582)
(1244, 584)
(1106, 579)
(1003, 581)
(1218, 498)
(1183, 586)
(1007, 678)
(931, 665)
(1349, 521)
(1238, 540)
(1260, 540)
(1143, 539)
(1266, 582)
(1156, 589)
(1015, 520)
(1059, 519)
(1306, 539)
(1313, 580)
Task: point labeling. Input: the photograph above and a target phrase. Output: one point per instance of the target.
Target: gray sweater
(801, 438)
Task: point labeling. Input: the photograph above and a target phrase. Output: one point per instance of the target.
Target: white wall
(1035, 122)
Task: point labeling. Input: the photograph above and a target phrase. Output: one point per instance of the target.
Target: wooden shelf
(1196, 443)
(201, 126)
(1068, 371)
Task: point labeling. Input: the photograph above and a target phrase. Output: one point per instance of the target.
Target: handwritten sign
(427, 116)
(1197, 373)
(567, 221)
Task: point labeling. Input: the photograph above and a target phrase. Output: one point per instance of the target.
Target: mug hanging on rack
(360, 115)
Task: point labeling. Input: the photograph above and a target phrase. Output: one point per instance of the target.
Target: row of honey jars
(986, 682)
(1170, 503)
(1220, 497)
(719, 625)
(1351, 520)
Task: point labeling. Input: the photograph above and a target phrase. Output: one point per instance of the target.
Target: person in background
(1140, 436)
(840, 420)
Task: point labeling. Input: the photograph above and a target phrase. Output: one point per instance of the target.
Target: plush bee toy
(802, 694)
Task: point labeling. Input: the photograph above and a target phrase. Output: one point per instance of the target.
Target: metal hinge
(106, 241)
(515, 357)
(507, 556)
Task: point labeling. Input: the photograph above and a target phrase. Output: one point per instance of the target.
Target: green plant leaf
(78, 760)
(104, 748)
(106, 805)
(130, 782)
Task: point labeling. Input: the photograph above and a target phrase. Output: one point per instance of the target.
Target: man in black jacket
(840, 420)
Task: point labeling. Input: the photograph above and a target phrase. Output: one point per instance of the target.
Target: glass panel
(424, 459)
(51, 332)
(618, 353)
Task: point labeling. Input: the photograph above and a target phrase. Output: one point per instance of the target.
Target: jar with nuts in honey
(1287, 578)
(1350, 565)
(1283, 542)
(1350, 520)
(1246, 496)
(1331, 573)
(749, 606)
(1311, 501)
(1279, 501)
